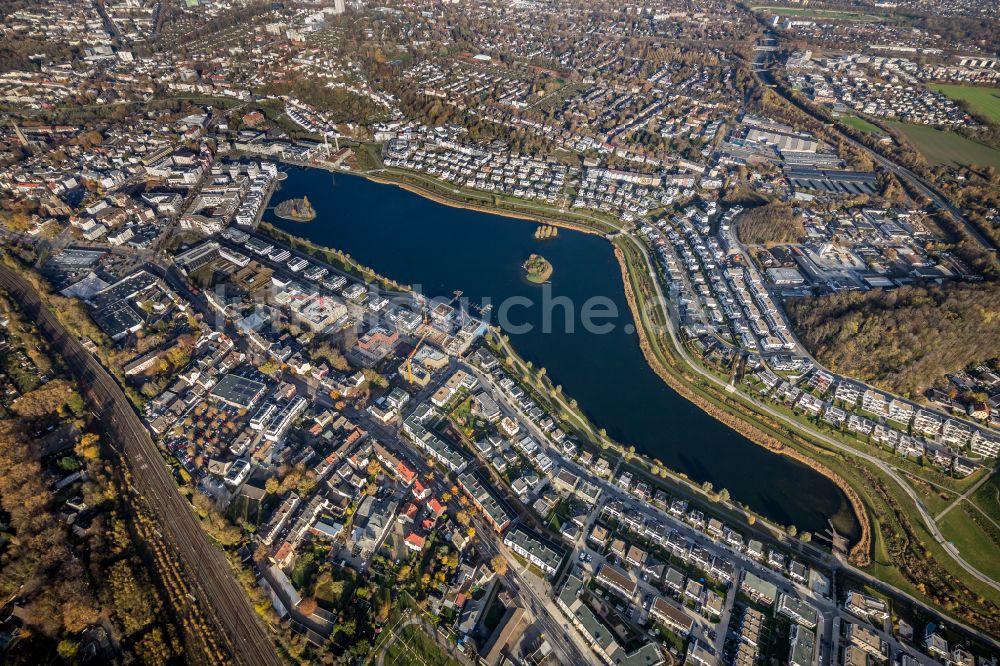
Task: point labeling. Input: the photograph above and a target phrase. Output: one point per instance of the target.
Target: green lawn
(944, 147)
(860, 124)
(975, 538)
(983, 100)
(414, 646)
(987, 497)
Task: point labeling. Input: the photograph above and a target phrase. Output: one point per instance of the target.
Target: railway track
(207, 570)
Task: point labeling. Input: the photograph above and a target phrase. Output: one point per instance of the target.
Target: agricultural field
(860, 124)
(944, 147)
(983, 101)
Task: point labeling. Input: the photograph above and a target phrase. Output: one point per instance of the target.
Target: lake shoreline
(682, 470)
(739, 425)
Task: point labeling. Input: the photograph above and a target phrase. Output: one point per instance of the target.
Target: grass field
(987, 497)
(975, 538)
(860, 124)
(983, 101)
(413, 646)
(944, 147)
(831, 14)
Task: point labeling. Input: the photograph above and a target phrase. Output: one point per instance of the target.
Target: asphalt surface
(207, 571)
(887, 469)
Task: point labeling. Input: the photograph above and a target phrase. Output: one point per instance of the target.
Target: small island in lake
(537, 269)
(298, 210)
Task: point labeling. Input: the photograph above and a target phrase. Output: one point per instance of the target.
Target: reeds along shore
(860, 552)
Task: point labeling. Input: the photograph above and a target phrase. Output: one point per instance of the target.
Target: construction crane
(420, 342)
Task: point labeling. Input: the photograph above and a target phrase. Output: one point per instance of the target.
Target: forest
(905, 339)
(68, 577)
(770, 224)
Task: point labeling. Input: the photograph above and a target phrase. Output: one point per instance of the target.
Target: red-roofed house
(419, 491)
(285, 556)
(405, 474)
(414, 541)
(435, 507)
(409, 513)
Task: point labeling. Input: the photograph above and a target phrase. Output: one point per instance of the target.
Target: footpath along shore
(860, 552)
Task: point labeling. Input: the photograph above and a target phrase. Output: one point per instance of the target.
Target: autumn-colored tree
(308, 606)
(498, 564)
(89, 446)
(46, 399)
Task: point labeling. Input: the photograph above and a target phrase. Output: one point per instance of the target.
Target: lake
(440, 249)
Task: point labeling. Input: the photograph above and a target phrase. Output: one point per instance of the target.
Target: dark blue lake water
(441, 249)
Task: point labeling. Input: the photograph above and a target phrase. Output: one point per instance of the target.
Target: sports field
(944, 147)
(984, 101)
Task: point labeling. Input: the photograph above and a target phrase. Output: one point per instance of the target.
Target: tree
(308, 606)
(498, 564)
(723, 495)
(270, 367)
(46, 399)
(792, 530)
(89, 446)
(751, 519)
(67, 648)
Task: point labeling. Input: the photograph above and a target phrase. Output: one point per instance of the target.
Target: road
(796, 425)
(901, 172)
(206, 568)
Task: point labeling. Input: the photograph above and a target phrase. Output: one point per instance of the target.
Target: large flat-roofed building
(198, 256)
(318, 311)
(118, 319)
(617, 580)
(442, 450)
(759, 589)
(866, 639)
(797, 610)
(487, 499)
(602, 639)
(671, 616)
(803, 646)
(375, 345)
(237, 391)
(127, 287)
(536, 549)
